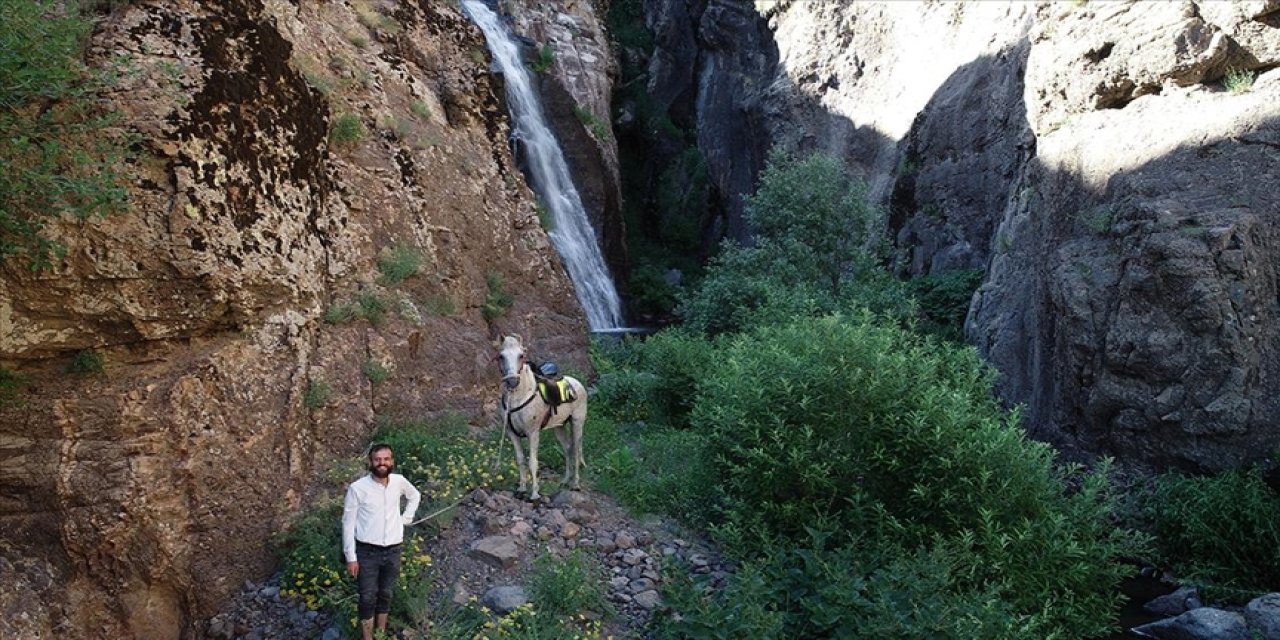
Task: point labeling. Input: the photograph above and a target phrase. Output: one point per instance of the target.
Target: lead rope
(494, 460)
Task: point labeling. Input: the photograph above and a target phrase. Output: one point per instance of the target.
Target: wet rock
(1262, 614)
(1205, 623)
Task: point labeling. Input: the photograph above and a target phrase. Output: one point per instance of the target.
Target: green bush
(399, 263)
(546, 58)
(813, 592)
(440, 305)
(59, 152)
(660, 471)
(346, 130)
(889, 437)
(1221, 532)
(813, 254)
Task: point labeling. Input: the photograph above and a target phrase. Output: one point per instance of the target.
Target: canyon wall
(1093, 158)
(238, 310)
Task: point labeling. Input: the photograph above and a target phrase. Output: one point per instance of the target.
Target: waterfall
(571, 232)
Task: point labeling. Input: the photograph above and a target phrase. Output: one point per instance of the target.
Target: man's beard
(381, 472)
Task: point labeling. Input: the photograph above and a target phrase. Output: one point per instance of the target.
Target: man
(372, 530)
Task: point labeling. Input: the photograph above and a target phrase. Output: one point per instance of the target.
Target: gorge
(1087, 157)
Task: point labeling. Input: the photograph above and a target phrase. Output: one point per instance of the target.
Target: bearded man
(372, 530)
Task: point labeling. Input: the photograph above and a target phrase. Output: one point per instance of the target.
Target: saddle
(552, 386)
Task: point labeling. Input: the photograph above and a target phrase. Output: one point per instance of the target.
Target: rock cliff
(1087, 155)
(246, 333)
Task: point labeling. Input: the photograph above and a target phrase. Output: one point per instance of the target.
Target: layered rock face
(1086, 155)
(286, 148)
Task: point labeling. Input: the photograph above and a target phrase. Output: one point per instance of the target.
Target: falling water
(571, 232)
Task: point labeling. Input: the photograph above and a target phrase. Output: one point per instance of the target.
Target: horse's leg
(566, 447)
(579, 419)
(520, 468)
(533, 461)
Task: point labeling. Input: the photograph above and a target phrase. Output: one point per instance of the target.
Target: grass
(498, 301)
(372, 307)
(346, 130)
(545, 60)
(341, 313)
(440, 305)
(420, 109)
(544, 217)
(399, 263)
(598, 128)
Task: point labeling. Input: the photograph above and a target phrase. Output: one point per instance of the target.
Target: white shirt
(371, 512)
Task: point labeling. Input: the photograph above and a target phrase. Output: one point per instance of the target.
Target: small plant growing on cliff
(60, 153)
(420, 109)
(372, 307)
(86, 363)
(598, 128)
(546, 58)
(341, 313)
(498, 300)
(346, 130)
(10, 383)
(317, 394)
(1238, 81)
(399, 263)
(544, 216)
(375, 371)
(440, 305)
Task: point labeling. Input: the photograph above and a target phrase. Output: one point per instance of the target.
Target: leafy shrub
(813, 254)
(1218, 531)
(888, 437)
(346, 130)
(813, 592)
(59, 152)
(661, 471)
(399, 263)
(497, 301)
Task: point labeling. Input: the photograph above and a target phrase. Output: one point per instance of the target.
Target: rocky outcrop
(286, 149)
(1087, 156)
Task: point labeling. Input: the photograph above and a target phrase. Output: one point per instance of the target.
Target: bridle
(506, 393)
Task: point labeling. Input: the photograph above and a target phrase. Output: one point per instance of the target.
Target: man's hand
(353, 568)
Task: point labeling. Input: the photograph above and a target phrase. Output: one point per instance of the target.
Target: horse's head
(510, 360)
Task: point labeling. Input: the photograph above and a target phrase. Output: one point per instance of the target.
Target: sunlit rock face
(1088, 156)
(138, 497)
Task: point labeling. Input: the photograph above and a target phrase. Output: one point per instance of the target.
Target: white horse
(525, 414)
